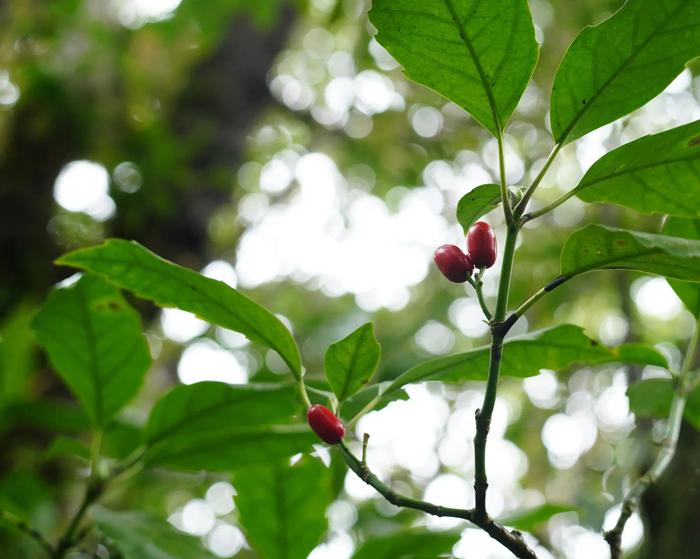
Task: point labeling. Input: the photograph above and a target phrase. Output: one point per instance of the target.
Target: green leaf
(653, 398)
(408, 543)
(528, 520)
(216, 426)
(282, 508)
(94, 341)
(67, 446)
(556, 348)
(688, 292)
(657, 174)
(139, 535)
(477, 202)
(353, 405)
(135, 268)
(351, 362)
(617, 66)
(597, 248)
(478, 54)
(17, 353)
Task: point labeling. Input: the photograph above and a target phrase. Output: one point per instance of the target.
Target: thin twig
(22, 526)
(512, 540)
(665, 456)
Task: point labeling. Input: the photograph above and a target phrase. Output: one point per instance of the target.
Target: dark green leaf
(94, 341)
(409, 543)
(139, 536)
(67, 446)
(596, 248)
(653, 398)
(282, 508)
(478, 54)
(351, 362)
(216, 426)
(133, 267)
(688, 292)
(657, 174)
(528, 520)
(556, 348)
(617, 66)
(17, 353)
(476, 203)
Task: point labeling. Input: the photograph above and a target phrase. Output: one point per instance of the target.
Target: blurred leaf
(139, 535)
(528, 520)
(282, 508)
(596, 247)
(655, 174)
(351, 362)
(94, 341)
(52, 415)
(479, 55)
(353, 405)
(216, 426)
(17, 353)
(653, 398)
(688, 292)
(121, 439)
(556, 348)
(477, 202)
(135, 268)
(412, 544)
(618, 65)
(67, 446)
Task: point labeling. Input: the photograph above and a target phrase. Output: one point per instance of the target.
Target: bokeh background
(276, 146)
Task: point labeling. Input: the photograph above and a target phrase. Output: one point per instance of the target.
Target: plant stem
(302, 390)
(483, 415)
(549, 207)
(22, 526)
(512, 540)
(477, 284)
(507, 210)
(665, 456)
(520, 208)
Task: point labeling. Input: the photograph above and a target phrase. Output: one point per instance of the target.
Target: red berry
(325, 424)
(481, 244)
(453, 263)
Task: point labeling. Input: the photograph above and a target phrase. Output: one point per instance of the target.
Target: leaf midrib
(188, 285)
(615, 74)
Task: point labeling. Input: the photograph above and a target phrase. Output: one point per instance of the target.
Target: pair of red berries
(325, 424)
(457, 266)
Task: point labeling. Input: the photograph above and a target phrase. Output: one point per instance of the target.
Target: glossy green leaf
(408, 543)
(216, 426)
(477, 202)
(618, 65)
(478, 54)
(556, 348)
(139, 535)
(597, 248)
(688, 292)
(653, 397)
(282, 508)
(135, 268)
(528, 520)
(657, 174)
(351, 362)
(94, 341)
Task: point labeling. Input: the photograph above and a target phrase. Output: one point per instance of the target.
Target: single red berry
(481, 244)
(453, 263)
(325, 424)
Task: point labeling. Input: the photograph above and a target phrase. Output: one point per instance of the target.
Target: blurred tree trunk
(224, 96)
